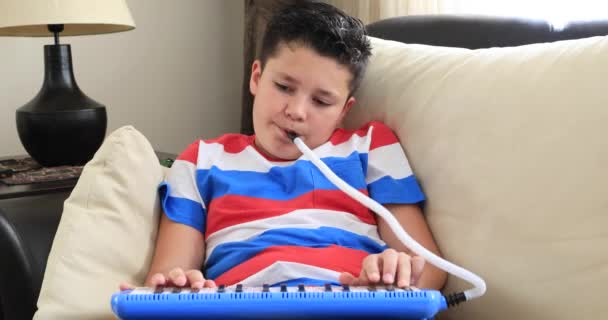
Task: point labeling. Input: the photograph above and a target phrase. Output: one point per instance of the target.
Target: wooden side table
(24, 190)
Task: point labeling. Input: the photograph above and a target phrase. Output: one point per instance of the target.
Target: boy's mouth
(289, 133)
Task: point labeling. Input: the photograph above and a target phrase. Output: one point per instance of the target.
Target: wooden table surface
(22, 190)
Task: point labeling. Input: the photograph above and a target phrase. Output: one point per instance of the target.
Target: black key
(159, 289)
(195, 290)
(221, 288)
(301, 288)
(390, 287)
(176, 290)
(283, 287)
(265, 287)
(371, 288)
(328, 287)
(239, 288)
(345, 288)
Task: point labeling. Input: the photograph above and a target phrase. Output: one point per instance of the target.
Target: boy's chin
(280, 151)
(291, 153)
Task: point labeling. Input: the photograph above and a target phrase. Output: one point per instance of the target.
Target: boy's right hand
(176, 278)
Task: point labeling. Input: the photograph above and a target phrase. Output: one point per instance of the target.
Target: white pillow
(107, 230)
(511, 148)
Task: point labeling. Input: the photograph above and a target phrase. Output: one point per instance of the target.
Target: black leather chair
(28, 228)
(477, 32)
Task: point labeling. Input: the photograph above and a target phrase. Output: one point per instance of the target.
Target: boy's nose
(296, 109)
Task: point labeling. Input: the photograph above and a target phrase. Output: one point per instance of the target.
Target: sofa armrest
(27, 229)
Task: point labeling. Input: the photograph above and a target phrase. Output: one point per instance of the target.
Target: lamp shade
(30, 18)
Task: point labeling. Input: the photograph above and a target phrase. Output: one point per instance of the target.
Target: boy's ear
(347, 106)
(256, 73)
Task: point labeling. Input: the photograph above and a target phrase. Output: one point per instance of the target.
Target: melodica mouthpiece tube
(479, 285)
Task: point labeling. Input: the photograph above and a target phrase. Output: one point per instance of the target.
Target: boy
(251, 211)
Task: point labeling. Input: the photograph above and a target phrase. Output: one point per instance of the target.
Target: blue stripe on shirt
(181, 210)
(388, 190)
(281, 183)
(228, 255)
(305, 281)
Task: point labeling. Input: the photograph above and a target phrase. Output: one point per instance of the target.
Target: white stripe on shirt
(302, 218)
(182, 181)
(391, 159)
(283, 271)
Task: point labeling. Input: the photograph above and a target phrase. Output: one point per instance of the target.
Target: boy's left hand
(397, 268)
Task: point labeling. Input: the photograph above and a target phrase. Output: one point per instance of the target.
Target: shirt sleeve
(389, 177)
(179, 193)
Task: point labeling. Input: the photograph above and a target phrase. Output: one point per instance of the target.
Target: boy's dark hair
(323, 28)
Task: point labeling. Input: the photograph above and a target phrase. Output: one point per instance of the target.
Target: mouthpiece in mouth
(292, 135)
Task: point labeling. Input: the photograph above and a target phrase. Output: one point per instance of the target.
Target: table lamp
(61, 125)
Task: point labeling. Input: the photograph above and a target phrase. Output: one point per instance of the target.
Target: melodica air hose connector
(479, 285)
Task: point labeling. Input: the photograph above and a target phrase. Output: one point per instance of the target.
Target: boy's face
(298, 91)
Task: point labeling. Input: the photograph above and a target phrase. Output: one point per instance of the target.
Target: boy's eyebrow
(288, 77)
(326, 93)
(291, 79)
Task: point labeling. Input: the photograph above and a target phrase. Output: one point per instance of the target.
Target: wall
(176, 77)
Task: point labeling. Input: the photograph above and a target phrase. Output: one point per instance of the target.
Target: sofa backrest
(509, 147)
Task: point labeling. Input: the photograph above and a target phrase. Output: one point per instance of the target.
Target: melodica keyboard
(293, 302)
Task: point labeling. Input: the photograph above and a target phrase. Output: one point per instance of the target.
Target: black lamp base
(61, 125)
(62, 138)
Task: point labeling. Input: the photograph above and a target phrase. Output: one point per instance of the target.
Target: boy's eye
(282, 87)
(320, 102)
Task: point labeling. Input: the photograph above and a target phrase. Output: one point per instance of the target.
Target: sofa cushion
(510, 146)
(107, 230)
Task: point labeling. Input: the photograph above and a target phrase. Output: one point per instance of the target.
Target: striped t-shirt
(274, 222)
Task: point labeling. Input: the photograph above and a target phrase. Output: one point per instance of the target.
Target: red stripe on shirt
(191, 153)
(381, 135)
(343, 135)
(230, 210)
(334, 257)
(233, 142)
(340, 201)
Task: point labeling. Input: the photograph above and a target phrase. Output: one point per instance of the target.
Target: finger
(195, 278)
(363, 279)
(405, 270)
(346, 278)
(126, 286)
(417, 263)
(158, 279)
(209, 284)
(177, 277)
(370, 269)
(390, 259)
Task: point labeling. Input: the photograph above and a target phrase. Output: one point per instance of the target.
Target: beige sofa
(510, 146)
